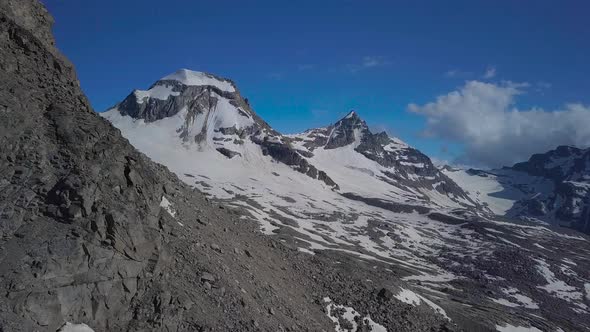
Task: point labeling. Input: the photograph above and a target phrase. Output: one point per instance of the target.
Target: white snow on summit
(196, 78)
(161, 92)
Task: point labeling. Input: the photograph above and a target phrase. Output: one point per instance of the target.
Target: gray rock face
(346, 131)
(68, 248)
(289, 156)
(569, 170)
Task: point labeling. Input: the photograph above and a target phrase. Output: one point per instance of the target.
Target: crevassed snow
(166, 205)
(512, 328)
(160, 91)
(196, 78)
(71, 327)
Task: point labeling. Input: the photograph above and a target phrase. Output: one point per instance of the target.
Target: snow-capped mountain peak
(198, 111)
(197, 78)
(349, 130)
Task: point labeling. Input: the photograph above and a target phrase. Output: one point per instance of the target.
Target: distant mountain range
(552, 187)
(342, 188)
(201, 125)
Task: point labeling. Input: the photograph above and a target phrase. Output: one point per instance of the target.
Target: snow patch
(71, 327)
(161, 91)
(555, 286)
(506, 303)
(196, 78)
(512, 328)
(352, 316)
(166, 205)
(307, 251)
(410, 297)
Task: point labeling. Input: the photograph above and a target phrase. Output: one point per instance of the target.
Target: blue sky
(302, 64)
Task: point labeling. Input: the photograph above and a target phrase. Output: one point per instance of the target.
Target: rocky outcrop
(285, 154)
(74, 246)
(569, 169)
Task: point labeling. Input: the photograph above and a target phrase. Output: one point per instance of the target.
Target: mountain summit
(189, 110)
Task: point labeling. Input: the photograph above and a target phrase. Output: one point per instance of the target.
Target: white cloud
(457, 73)
(374, 61)
(494, 132)
(367, 62)
(490, 73)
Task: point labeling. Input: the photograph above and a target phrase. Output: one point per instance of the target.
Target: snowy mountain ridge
(208, 113)
(342, 188)
(552, 187)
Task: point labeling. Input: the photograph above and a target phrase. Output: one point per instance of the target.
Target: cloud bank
(483, 117)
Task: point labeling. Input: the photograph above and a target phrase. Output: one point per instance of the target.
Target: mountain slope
(378, 166)
(208, 115)
(385, 207)
(552, 187)
(94, 232)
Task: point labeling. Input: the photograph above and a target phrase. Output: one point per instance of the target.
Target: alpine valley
(180, 209)
(482, 249)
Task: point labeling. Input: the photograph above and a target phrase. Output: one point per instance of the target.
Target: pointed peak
(197, 78)
(352, 116)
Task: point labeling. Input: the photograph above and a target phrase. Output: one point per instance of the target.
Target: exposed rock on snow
(552, 187)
